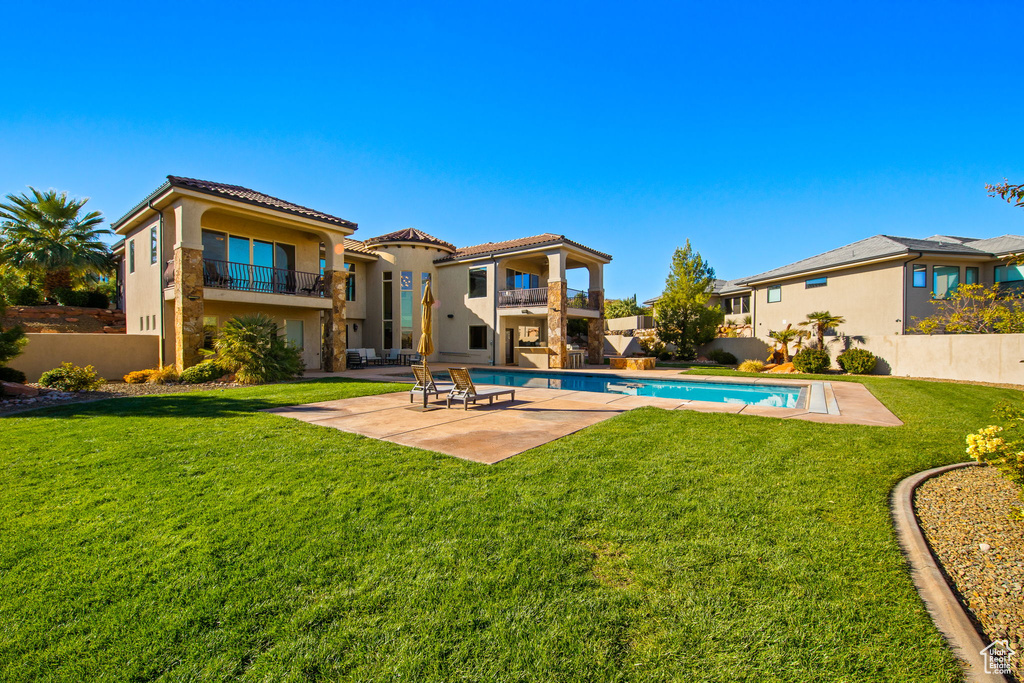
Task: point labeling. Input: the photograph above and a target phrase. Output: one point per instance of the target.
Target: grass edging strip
(949, 615)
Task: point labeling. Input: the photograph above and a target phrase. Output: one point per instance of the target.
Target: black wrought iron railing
(245, 277)
(515, 298)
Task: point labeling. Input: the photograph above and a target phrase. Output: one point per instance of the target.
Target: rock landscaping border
(949, 615)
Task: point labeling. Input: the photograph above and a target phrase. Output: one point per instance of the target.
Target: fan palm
(47, 232)
(785, 338)
(821, 321)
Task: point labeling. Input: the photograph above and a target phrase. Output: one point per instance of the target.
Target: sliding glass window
(406, 301)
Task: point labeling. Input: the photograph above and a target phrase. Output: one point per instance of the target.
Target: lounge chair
(467, 392)
(373, 358)
(425, 382)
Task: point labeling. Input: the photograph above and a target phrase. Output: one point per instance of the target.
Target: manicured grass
(189, 537)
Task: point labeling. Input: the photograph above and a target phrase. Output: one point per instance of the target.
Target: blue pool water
(717, 392)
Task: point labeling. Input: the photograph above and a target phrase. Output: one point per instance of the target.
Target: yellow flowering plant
(1001, 446)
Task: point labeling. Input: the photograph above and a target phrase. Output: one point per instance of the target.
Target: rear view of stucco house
(195, 253)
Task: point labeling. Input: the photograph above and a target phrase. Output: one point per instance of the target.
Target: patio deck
(491, 433)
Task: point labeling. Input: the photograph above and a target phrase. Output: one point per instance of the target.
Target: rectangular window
(131, 256)
(424, 279)
(920, 276)
(154, 321)
(945, 280)
(284, 256)
(215, 245)
(238, 249)
(477, 337)
(350, 283)
(293, 333)
(972, 275)
(406, 301)
(141, 324)
(775, 294)
(153, 245)
(816, 282)
(1009, 277)
(515, 279)
(736, 304)
(477, 283)
(388, 307)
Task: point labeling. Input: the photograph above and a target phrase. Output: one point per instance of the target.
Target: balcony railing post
(248, 277)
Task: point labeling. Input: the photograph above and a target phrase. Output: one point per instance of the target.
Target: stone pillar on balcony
(595, 326)
(595, 329)
(558, 312)
(184, 219)
(335, 321)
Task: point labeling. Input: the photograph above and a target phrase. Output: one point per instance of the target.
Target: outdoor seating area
(358, 358)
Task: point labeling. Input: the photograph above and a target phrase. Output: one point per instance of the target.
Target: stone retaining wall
(66, 319)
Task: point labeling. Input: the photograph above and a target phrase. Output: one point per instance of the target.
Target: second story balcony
(245, 277)
(526, 298)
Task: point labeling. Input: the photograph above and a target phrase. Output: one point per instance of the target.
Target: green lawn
(189, 537)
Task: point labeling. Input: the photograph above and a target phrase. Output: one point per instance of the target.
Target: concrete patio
(490, 433)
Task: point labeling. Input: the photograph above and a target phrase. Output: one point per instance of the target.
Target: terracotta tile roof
(411, 235)
(244, 194)
(358, 247)
(513, 245)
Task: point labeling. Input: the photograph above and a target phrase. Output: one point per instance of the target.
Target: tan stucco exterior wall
(310, 318)
(452, 334)
(870, 298)
(113, 355)
(142, 288)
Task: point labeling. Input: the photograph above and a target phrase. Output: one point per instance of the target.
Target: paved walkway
(490, 433)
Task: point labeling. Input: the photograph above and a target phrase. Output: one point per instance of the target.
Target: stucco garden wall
(995, 358)
(113, 355)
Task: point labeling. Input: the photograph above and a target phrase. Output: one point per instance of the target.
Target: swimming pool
(778, 396)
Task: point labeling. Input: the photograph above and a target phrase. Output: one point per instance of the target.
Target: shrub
(138, 376)
(813, 361)
(1002, 446)
(722, 357)
(12, 342)
(207, 371)
(649, 342)
(70, 377)
(27, 296)
(71, 297)
(96, 299)
(665, 355)
(857, 361)
(252, 348)
(751, 366)
(167, 373)
(11, 375)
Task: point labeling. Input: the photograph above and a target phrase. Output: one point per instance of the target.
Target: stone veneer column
(335, 321)
(188, 307)
(595, 330)
(558, 320)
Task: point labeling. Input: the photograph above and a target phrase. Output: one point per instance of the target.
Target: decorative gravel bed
(49, 397)
(971, 519)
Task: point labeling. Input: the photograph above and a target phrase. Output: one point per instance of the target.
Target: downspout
(494, 331)
(903, 319)
(162, 265)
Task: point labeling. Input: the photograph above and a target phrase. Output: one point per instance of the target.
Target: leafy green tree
(820, 321)
(47, 233)
(623, 308)
(975, 309)
(682, 315)
(12, 341)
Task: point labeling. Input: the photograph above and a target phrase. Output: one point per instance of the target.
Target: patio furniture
(317, 287)
(353, 359)
(575, 357)
(373, 358)
(425, 382)
(467, 392)
(392, 358)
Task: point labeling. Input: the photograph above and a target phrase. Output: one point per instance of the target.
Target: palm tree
(785, 338)
(821, 321)
(47, 232)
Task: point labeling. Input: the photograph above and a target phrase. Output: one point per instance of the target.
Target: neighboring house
(196, 253)
(879, 284)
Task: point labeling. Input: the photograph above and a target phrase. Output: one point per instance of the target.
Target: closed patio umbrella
(426, 345)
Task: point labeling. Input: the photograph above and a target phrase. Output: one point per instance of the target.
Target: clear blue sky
(763, 132)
